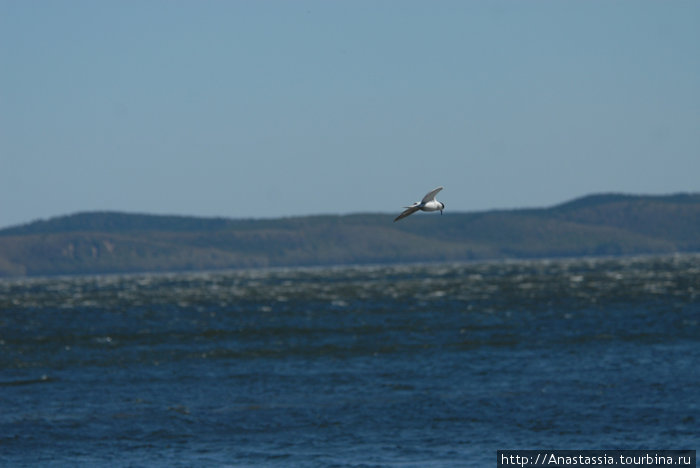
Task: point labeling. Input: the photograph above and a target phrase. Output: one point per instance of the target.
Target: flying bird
(428, 203)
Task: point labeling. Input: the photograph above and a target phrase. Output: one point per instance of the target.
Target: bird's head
(443, 207)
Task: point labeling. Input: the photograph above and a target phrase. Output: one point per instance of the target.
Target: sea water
(421, 365)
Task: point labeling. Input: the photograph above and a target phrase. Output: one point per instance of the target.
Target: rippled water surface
(437, 365)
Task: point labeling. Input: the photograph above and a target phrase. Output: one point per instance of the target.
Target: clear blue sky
(281, 108)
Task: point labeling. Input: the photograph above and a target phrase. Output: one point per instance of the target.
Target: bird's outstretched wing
(430, 196)
(408, 211)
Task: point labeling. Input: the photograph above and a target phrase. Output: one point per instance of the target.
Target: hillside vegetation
(106, 242)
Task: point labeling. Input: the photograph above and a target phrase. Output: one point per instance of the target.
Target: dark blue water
(371, 366)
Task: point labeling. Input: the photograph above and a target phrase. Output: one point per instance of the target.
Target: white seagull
(428, 203)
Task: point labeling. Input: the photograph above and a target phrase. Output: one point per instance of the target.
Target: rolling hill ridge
(111, 242)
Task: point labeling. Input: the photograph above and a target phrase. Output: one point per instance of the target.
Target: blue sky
(281, 108)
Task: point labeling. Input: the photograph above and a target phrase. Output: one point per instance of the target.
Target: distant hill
(108, 242)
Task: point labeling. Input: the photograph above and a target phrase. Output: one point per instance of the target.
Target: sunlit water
(437, 365)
